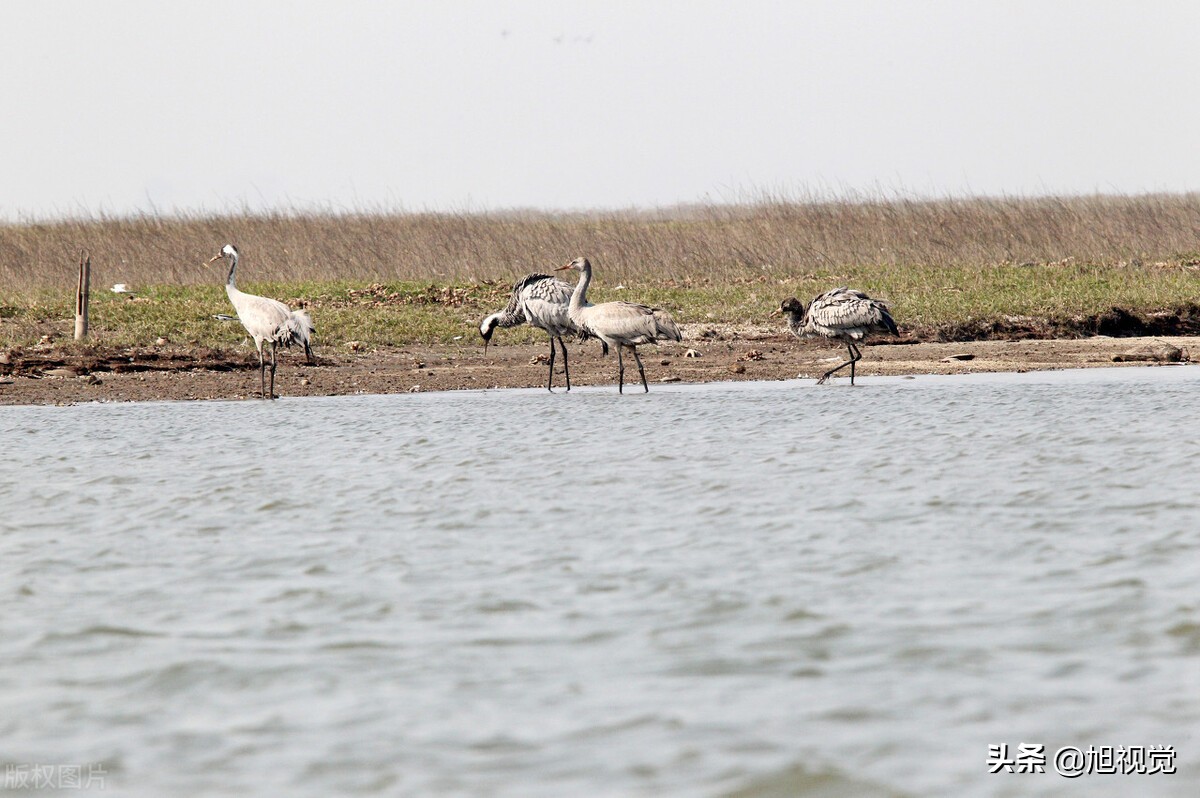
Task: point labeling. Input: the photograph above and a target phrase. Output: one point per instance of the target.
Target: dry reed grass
(695, 243)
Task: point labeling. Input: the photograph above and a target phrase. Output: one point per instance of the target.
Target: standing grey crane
(619, 323)
(542, 301)
(266, 320)
(844, 314)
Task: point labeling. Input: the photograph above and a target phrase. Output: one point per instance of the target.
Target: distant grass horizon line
(748, 200)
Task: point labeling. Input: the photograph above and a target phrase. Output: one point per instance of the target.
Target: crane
(542, 301)
(843, 314)
(623, 324)
(266, 320)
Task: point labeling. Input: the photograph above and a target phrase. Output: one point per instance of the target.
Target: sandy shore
(50, 376)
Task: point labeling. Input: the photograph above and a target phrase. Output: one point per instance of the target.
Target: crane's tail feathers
(296, 329)
(889, 322)
(583, 335)
(665, 327)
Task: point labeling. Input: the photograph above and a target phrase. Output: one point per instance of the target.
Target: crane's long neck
(232, 265)
(579, 295)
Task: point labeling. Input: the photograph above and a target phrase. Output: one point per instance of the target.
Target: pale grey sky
(138, 105)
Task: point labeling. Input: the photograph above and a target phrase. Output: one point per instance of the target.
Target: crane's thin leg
(274, 348)
(308, 355)
(849, 363)
(833, 370)
(620, 370)
(566, 367)
(262, 373)
(550, 381)
(641, 370)
(857, 355)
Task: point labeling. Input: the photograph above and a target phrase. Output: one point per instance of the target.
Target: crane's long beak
(215, 257)
(562, 268)
(777, 312)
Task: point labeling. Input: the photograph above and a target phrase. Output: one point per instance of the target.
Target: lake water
(748, 589)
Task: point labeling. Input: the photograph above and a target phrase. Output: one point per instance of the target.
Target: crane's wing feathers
(513, 314)
(545, 300)
(546, 288)
(269, 319)
(850, 311)
(532, 300)
(548, 315)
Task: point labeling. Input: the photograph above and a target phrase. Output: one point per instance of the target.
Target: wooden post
(81, 296)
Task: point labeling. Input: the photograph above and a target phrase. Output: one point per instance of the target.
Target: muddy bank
(1116, 322)
(708, 354)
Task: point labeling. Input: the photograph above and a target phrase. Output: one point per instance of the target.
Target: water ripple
(738, 589)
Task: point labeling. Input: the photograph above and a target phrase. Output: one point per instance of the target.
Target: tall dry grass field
(714, 243)
(938, 261)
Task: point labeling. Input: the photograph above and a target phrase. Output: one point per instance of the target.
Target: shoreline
(51, 376)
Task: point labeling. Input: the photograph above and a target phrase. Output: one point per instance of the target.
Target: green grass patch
(409, 312)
